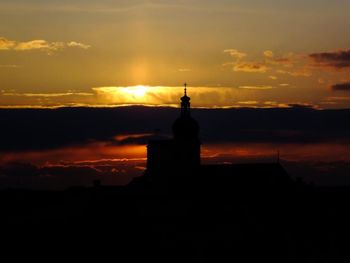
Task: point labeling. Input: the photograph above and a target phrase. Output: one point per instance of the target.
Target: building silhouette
(177, 160)
(182, 153)
(182, 209)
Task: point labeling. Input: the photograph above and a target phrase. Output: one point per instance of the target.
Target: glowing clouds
(126, 95)
(70, 98)
(250, 67)
(39, 44)
(6, 44)
(202, 97)
(84, 153)
(136, 91)
(78, 45)
(135, 95)
(269, 54)
(235, 53)
(167, 96)
(257, 87)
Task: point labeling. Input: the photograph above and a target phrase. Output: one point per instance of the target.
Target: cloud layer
(341, 87)
(288, 64)
(48, 129)
(335, 60)
(64, 147)
(6, 44)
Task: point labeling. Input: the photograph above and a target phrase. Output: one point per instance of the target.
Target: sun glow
(165, 95)
(136, 91)
(213, 97)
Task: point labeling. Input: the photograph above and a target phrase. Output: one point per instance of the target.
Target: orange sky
(97, 153)
(232, 53)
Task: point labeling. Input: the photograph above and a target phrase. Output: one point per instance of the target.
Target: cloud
(27, 100)
(257, 87)
(77, 134)
(301, 72)
(251, 102)
(302, 106)
(270, 62)
(235, 53)
(68, 146)
(76, 146)
(6, 44)
(138, 139)
(79, 45)
(46, 95)
(282, 61)
(39, 44)
(341, 87)
(334, 60)
(244, 66)
(269, 54)
(208, 97)
(291, 64)
(287, 60)
(250, 67)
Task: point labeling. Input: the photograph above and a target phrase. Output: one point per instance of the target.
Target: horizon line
(106, 106)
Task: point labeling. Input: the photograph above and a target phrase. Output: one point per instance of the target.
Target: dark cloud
(32, 129)
(336, 60)
(140, 139)
(19, 169)
(38, 130)
(23, 130)
(341, 87)
(301, 106)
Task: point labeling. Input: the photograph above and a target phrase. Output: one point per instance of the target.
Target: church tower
(185, 128)
(180, 155)
(186, 136)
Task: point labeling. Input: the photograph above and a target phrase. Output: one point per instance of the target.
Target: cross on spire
(185, 103)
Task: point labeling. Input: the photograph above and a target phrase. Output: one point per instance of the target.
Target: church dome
(185, 128)
(185, 99)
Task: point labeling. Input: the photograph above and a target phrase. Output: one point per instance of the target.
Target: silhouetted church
(180, 156)
(181, 153)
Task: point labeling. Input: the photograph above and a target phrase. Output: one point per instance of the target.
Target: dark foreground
(193, 219)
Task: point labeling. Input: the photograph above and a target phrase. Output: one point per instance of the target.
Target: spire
(185, 103)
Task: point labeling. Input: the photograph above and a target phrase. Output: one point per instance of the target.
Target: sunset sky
(264, 76)
(232, 53)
